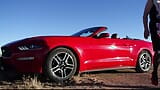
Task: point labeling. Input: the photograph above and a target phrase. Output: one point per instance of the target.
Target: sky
(21, 19)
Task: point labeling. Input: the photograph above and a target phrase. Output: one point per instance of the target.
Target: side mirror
(104, 35)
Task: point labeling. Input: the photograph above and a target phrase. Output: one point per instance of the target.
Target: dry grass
(23, 82)
(32, 82)
(102, 80)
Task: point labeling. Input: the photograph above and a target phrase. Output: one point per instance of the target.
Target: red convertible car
(61, 57)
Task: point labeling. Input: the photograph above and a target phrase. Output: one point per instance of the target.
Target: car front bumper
(26, 62)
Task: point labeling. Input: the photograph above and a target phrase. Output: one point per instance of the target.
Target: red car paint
(92, 53)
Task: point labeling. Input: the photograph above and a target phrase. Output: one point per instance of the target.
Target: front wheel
(144, 62)
(60, 65)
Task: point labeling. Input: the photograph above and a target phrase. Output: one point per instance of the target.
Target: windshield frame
(93, 31)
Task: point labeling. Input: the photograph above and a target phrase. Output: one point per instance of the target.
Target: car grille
(6, 52)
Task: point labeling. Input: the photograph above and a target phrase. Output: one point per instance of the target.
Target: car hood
(34, 39)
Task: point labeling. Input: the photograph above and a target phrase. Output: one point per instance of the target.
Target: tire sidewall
(138, 66)
(48, 64)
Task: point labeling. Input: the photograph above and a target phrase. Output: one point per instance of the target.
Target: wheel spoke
(142, 65)
(142, 61)
(58, 69)
(148, 61)
(143, 57)
(66, 57)
(64, 71)
(54, 69)
(58, 58)
(146, 66)
(70, 66)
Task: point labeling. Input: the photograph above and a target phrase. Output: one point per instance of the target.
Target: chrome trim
(25, 58)
(116, 68)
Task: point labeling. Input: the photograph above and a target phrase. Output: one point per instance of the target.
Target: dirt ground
(114, 79)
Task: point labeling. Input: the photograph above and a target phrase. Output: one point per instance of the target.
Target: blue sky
(26, 18)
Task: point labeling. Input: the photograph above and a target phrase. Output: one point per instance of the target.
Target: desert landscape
(112, 79)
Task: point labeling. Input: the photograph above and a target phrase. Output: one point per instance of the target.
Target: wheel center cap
(62, 64)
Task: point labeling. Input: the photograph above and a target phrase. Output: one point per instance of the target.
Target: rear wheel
(144, 62)
(60, 65)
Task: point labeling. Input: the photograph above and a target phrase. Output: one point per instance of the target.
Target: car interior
(107, 35)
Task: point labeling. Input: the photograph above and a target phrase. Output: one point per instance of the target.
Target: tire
(144, 62)
(61, 65)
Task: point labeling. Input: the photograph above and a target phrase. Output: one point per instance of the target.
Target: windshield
(86, 32)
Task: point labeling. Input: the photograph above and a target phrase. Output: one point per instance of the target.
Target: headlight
(29, 47)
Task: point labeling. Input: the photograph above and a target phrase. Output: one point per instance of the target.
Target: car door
(123, 52)
(110, 53)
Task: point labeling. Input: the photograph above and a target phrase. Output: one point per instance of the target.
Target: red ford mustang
(61, 57)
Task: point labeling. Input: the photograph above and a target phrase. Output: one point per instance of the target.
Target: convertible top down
(61, 57)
